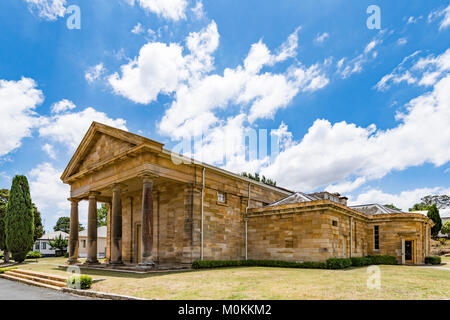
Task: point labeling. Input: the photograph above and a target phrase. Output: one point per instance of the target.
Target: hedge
(339, 263)
(382, 259)
(206, 264)
(332, 263)
(433, 260)
(361, 261)
(85, 282)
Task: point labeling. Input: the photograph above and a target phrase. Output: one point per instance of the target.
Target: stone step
(37, 279)
(39, 275)
(30, 282)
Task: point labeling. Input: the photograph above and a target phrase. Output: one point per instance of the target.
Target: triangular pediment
(102, 143)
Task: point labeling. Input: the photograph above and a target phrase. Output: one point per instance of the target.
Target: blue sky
(364, 112)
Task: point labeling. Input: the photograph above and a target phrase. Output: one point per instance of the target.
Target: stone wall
(304, 235)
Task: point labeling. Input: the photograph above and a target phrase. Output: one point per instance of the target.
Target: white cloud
(159, 68)
(48, 148)
(402, 41)
(93, 73)
(346, 67)
(331, 153)
(198, 10)
(168, 9)
(69, 128)
(346, 186)
(18, 99)
(48, 9)
(403, 200)
(424, 71)
(193, 111)
(320, 38)
(445, 21)
(137, 29)
(62, 106)
(50, 194)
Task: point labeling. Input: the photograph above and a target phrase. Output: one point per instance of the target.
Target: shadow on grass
(119, 274)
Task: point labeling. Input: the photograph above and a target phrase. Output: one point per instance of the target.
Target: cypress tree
(19, 222)
(433, 214)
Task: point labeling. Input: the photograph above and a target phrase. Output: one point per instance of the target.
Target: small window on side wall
(221, 197)
(334, 223)
(376, 234)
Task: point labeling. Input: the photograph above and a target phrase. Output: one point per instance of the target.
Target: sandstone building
(164, 208)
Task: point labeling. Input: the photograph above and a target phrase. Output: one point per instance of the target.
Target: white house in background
(101, 243)
(444, 213)
(43, 246)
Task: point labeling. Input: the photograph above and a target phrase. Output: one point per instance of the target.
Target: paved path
(13, 290)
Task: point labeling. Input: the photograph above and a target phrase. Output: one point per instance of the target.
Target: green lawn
(397, 282)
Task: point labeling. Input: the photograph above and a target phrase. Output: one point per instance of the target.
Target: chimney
(343, 200)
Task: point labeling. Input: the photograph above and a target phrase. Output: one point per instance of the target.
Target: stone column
(92, 229)
(116, 226)
(147, 222)
(73, 236)
(108, 233)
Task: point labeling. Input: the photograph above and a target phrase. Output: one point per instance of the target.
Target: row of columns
(116, 226)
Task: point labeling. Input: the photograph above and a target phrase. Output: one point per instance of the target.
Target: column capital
(73, 200)
(93, 194)
(147, 176)
(118, 186)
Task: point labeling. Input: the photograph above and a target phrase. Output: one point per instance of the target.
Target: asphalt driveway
(12, 290)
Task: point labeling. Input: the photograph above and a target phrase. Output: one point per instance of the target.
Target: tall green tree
(4, 195)
(63, 224)
(446, 228)
(59, 244)
(433, 214)
(19, 221)
(38, 227)
(102, 214)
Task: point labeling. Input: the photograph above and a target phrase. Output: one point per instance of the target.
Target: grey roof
(294, 198)
(53, 235)
(373, 208)
(101, 232)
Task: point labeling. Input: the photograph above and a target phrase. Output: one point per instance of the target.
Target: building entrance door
(409, 251)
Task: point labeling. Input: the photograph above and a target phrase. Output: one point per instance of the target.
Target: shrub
(85, 281)
(206, 264)
(2, 270)
(433, 260)
(382, 259)
(338, 263)
(34, 255)
(360, 261)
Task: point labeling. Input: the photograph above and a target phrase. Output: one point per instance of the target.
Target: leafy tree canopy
(446, 228)
(38, 227)
(4, 195)
(102, 214)
(433, 214)
(441, 202)
(63, 224)
(256, 177)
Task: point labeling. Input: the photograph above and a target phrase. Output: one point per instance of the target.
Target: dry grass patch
(397, 282)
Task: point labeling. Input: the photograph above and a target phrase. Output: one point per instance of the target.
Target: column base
(72, 261)
(91, 261)
(115, 263)
(147, 263)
